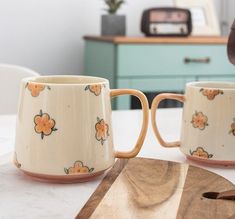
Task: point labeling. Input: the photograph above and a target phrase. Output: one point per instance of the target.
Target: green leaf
(48, 87)
(27, 84)
(113, 5)
(210, 155)
(42, 135)
(66, 170)
(119, 5)
(40, 113)
(91, 169)
(54, 129)
(201, 89)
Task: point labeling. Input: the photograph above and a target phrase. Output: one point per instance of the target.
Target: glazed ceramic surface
(208, 122)
(64, 128)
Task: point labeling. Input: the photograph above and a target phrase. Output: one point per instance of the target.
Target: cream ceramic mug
(208, 122)
(64, 129)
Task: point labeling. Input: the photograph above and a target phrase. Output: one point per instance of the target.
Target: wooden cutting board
(149, 188)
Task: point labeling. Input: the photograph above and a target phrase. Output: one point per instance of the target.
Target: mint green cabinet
(158, 67)
(100, 60)
(157, 60)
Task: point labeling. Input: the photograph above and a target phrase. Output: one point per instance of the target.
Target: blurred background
(47, 35)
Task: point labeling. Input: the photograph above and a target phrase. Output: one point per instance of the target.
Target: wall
(46, 35)
(225, 10)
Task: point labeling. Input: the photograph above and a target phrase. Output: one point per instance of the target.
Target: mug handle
(154, 107)
(145, 109)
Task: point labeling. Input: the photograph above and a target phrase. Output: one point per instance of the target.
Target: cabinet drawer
(157, 84)
(152, 60)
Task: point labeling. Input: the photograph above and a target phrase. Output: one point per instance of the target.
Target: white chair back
(10, 78)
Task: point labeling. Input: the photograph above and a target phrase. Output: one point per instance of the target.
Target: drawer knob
(197, 60)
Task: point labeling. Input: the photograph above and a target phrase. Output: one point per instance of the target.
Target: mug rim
(214, 85)
(57, 80)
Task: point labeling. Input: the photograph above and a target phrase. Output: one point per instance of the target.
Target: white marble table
(21, 197)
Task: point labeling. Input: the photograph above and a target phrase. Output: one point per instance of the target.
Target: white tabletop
(21, 197)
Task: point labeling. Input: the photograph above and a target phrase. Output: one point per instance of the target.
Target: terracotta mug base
(223, 163)
(63, 179)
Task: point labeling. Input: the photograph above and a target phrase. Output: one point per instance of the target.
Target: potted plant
(111, 23)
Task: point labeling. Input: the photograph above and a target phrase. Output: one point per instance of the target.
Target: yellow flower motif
(201, 153)
(44, 125)
(15, 161)
(95, 89)
(102, 130)
(78, 168)
(211, 93)
(199, 120)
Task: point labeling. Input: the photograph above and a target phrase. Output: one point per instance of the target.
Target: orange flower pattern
(232, 130)
(199, 120)
(211, 93)
(95, 89)
(44, 125)
(35, 88)
(78, 167)
(201, 153)
(102, 130)
(15, 161)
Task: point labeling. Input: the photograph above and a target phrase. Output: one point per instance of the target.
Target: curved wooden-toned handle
(145, 109)
(154, 107)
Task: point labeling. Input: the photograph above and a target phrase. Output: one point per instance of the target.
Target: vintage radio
(166, 22)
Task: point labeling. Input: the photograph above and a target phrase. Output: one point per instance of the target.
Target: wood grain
(101, 190)
(193, 205)
(144, 189)
(159, 40)
(149, 189)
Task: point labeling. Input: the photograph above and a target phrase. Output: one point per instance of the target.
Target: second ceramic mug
(208, 122)
(64, 128)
